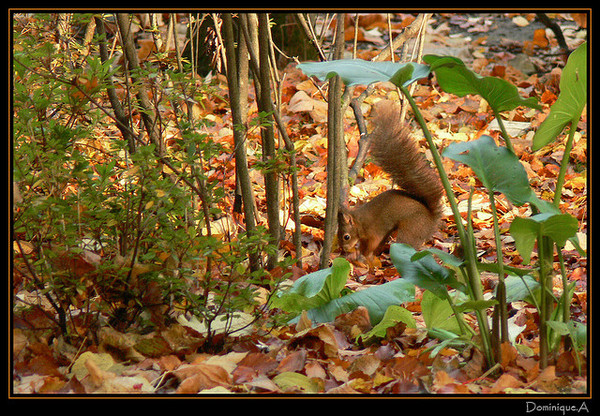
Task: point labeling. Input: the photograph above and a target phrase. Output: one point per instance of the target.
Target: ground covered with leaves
(320, 359)
(336, 358)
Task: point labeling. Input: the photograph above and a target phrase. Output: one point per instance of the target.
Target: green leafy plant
(120, 228)
(321, 294)
(500, 171)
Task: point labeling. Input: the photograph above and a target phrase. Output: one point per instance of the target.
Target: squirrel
(414, 211)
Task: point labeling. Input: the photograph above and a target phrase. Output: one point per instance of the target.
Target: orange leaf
(506, 381)
(548, 97)
(349, 34)
(580, 19)
(371, 20)
(169, 362)
(548, 374)
(540, 39)
(508, 354)
(442, 378)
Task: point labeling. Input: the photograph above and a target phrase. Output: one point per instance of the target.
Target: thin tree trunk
(123, 118)
(336, 152)
(237, 79)
(268, 137)
(147, 109)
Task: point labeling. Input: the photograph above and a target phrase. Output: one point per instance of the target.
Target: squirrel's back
(396, 152)
(413, 212)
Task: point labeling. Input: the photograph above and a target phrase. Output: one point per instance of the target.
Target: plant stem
(544, 252)
(564, 164)
(505, 135)
(501, 291)
(469, 253)
(464, 328)
(565, 295)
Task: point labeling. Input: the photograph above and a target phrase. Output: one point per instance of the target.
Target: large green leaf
(319, 293)
(393, 315)
(576, 330)
(525, 231)
(438, 314)
(454, 77)
(496, 167)
(359, 71)
(571, 100)
(376, 299)
(520, 288)
(423, 272)
(314, 289)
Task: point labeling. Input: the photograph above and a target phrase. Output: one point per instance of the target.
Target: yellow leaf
(103, 361)
(380, 379)
(290, 381)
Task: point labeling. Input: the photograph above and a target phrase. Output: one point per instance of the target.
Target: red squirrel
(414, 211)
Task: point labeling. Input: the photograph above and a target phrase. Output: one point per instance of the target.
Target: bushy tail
(396, 152)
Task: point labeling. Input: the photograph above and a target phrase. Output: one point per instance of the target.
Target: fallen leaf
(304, 322)
(442, 378)
(123, 344)
(343, 389)
(169, 362)
(102, 361)
(476, 365)
(353, 323)
(505, 381)
(294, 382)
(52, 384)
(508, 355)
(366, 364)
(156, 346)
(520, 21)
(293, 362)
(322, 338)
(228, 362)
(313, 369)
(97, 376)
(126, 385)
(540, 39)
(197, 377)
(363, 385)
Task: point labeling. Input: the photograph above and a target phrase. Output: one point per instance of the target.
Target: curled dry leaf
(198, 377)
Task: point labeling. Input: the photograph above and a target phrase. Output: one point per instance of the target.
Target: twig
(409, 32)
(310, 35)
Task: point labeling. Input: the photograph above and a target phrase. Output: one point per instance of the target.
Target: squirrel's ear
(344, 216)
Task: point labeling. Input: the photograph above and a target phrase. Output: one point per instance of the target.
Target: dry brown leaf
(315, 370)
(343, 389)
(506, 381)
(198, 377)
(442, 378)
(366, 364)
(508, 355)
(261, 363)
(304, 322)
(169, 362)
(293, 362)
(97, 376)
(323, 338)
(354, 323)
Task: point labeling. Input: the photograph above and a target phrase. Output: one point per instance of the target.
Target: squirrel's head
(347, 234)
